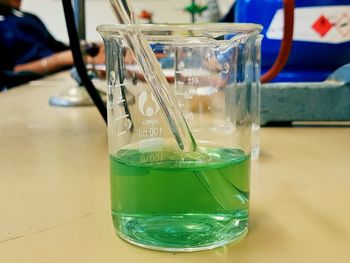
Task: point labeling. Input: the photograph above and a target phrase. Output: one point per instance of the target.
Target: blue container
(308, 61)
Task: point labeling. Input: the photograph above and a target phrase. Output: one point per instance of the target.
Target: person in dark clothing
(27, 49)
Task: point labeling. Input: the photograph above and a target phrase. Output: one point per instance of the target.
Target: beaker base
(182, 233)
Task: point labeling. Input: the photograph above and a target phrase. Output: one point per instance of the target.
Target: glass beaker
(256, 99)
(163, 197)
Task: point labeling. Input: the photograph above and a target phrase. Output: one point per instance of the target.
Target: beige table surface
(54, 190)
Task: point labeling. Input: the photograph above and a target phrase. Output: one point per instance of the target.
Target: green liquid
(180, 201)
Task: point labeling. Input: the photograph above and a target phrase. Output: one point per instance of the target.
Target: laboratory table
(54, 189)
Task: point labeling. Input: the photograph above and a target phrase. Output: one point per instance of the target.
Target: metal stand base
(315, 101)
(73, 96)
(288, 102)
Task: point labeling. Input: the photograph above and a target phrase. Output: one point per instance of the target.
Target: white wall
(99, 12)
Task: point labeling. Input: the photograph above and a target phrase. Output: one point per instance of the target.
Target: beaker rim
(243, 28)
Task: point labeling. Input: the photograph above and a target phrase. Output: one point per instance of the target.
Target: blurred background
(99, 12)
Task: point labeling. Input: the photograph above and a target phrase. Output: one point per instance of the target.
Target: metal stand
(77, 95)
(73, 96)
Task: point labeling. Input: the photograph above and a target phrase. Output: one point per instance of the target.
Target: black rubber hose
(78, 59)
